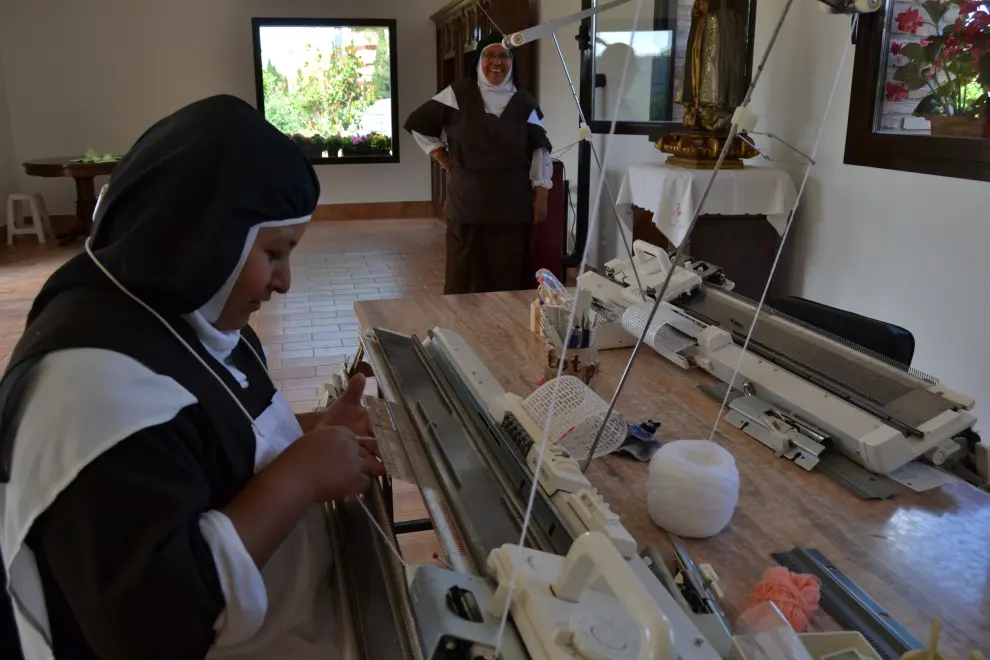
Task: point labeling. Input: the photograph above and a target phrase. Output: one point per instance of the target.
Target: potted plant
(950, 61)
(335, 143)
(357, 145)
(312, 146)
(381, 144)
(317, 145)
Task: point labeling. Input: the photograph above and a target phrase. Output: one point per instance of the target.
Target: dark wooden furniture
(920, 555)
(549, 237)
(743, 245)
(84, 175)
(460, 25)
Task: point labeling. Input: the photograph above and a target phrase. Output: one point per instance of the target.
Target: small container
(580, 362)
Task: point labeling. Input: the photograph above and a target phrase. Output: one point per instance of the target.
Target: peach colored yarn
(795, 595)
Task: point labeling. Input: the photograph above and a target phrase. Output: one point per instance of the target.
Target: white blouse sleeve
(431, 144)
(243, 587)
(541, 169)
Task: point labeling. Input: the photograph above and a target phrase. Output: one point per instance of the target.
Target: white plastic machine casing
(589, 605)
(652, 265)
(857, 434)
(581, 506)
(582, 512)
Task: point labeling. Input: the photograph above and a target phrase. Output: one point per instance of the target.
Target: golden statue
(716, 76)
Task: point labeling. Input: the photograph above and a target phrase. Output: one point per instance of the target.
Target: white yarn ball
(693, 488)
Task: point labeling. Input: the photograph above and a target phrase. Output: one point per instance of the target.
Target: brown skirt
(483, 258)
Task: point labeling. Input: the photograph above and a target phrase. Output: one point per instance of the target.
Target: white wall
(618, 152)
(97, 73)
(905, 248)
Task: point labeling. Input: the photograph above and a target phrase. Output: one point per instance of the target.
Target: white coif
(693, 488)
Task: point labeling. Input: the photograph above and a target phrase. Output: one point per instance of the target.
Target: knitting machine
(797, 389)
(576, 590)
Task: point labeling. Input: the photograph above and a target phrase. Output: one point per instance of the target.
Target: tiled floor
(306, 331)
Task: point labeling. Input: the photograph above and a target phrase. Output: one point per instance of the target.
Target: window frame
(652, 129)
(389, 24)
(956, 157)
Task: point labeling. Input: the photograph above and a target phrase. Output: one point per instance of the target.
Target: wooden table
(84, 175)
(919, 555)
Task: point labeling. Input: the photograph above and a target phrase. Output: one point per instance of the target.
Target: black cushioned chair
(891, 341)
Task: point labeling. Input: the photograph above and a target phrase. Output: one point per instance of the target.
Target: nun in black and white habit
(488, 133)
(159, 498)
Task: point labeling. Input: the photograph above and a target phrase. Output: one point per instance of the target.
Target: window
(647, 105)
(331, 85)
(920, 97)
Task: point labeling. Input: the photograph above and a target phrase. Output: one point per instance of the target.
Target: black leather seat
(887, 339)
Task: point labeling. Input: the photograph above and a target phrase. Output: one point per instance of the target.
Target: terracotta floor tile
(420, 547)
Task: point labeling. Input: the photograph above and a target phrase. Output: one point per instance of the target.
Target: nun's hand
(347, 410)
(334, 463)
(540, 196)
(442, 156)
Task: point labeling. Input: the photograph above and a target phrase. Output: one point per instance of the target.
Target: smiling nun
(488, 134)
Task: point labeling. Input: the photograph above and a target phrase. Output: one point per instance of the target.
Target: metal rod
(598, 161)
(687, 236)
(517, 39)
(481, 6)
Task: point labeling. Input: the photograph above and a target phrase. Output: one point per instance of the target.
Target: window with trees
(330, 85)
(920, 98)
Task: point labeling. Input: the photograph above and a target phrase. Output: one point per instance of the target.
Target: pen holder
(579, 362)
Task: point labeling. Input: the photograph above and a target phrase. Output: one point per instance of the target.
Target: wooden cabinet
(744, 246)
(460, 25)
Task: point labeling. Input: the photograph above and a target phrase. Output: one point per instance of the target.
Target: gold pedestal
(699, 151)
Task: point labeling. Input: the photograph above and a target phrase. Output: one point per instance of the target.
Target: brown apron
(489, 205)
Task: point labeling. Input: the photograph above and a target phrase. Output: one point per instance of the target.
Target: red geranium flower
(909, 21)
(969, 6)
(925, 42)
(977, 23)
(895, 48)
(896, 92)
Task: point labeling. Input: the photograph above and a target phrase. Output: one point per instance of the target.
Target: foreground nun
(160, 500)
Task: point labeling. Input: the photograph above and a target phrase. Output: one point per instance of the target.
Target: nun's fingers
(374, 463)
(368, 443)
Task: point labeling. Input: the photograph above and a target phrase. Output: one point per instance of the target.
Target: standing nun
(489, 135)
(158, 497)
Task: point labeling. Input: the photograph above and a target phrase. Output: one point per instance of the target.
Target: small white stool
(40, 222)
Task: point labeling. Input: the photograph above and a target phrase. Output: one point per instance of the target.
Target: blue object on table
(641, 441)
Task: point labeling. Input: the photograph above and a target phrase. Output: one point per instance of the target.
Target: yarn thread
(692, 488)
(796, 595)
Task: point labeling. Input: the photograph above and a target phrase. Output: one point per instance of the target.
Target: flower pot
(312, 151)
(954, 126)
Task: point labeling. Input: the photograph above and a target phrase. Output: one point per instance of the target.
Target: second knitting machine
(798, 388)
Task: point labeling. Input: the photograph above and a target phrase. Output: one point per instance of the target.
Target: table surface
(920, 555)
(63, 166)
